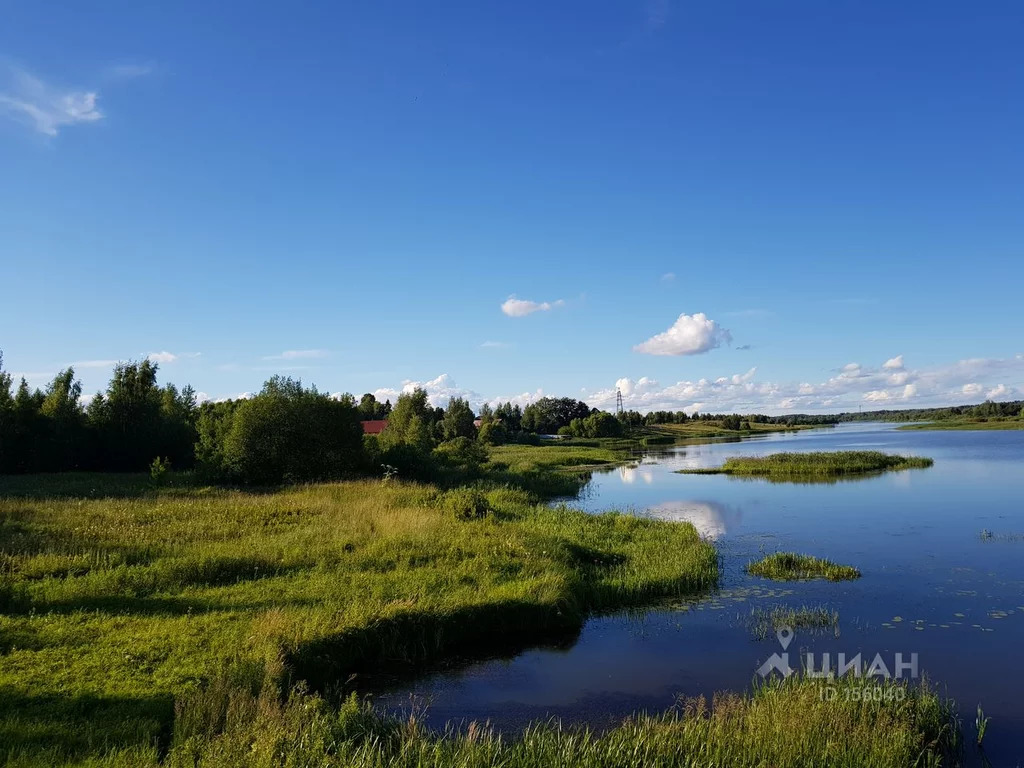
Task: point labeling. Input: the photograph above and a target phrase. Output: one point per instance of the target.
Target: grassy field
(970, 424)
(788, 566)
(821, 464)
(197, 626)
(703, 430)
(119, 601)
(568, 455)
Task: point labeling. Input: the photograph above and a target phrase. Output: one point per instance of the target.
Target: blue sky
(351, 193)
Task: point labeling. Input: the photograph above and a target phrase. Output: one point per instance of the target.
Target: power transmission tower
(618, 402)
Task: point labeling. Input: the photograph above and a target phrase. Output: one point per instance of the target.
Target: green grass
(788, 566)
(820, 464)
(703, 430)
(995, 422)
(783, 724)
(765, 621)
(193, 626)
(116, 610)
(555, 455)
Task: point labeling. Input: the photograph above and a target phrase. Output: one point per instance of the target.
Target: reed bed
(818, 464)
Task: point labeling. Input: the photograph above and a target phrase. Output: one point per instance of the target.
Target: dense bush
(597, 424)
(462, 453)
(465, 504)
(492, 433)
(286, 433)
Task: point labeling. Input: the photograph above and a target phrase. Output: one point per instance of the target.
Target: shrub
(158, 470)
(462, 452)
(465, 504)
(492, 433)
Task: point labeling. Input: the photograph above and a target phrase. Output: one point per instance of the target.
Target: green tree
(548, 414)
(127, 419)
(65, 423)
(290, 434)
(492, 433)
(458, 420)
(410, 423)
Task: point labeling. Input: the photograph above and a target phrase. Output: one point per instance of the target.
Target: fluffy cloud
(514, 307)
(893, 363)
(46, 108)
(162, 357)
(443, 388)
(689, 335)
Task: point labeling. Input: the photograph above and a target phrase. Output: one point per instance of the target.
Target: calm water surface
(932, 585)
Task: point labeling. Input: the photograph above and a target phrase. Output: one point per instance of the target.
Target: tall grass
(789, 566)
(114, 607)
(823, 464)
(784, 724)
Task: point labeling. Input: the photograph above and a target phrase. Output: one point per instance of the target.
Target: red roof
(374, 426)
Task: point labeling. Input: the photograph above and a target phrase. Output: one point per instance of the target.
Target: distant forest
(288, 432)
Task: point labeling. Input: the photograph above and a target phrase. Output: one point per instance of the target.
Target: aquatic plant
(788, 566)
(764, 621)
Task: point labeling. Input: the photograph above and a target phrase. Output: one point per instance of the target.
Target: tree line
(285, 433)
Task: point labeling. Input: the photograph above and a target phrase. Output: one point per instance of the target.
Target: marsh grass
(813, 465)
(789, 566)
(117, 609)
(715, 429)
(765, 621)
(783, 723)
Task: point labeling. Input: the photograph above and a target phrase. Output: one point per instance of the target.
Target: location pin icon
(785, 635)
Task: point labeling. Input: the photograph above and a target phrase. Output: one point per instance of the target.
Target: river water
(933, 585)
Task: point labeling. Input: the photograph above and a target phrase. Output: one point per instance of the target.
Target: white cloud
(1000, 392)
(495, 345)
(972, 389)
(668, 277)
(162, 357)
(514, 307)
(628, 387)
(439, 391)
(876, 395)
(689, 335)
(299, 354)
(894, 363)
(44, 107)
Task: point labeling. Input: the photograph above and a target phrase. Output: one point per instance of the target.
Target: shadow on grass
(408, 644)
(63, 729)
